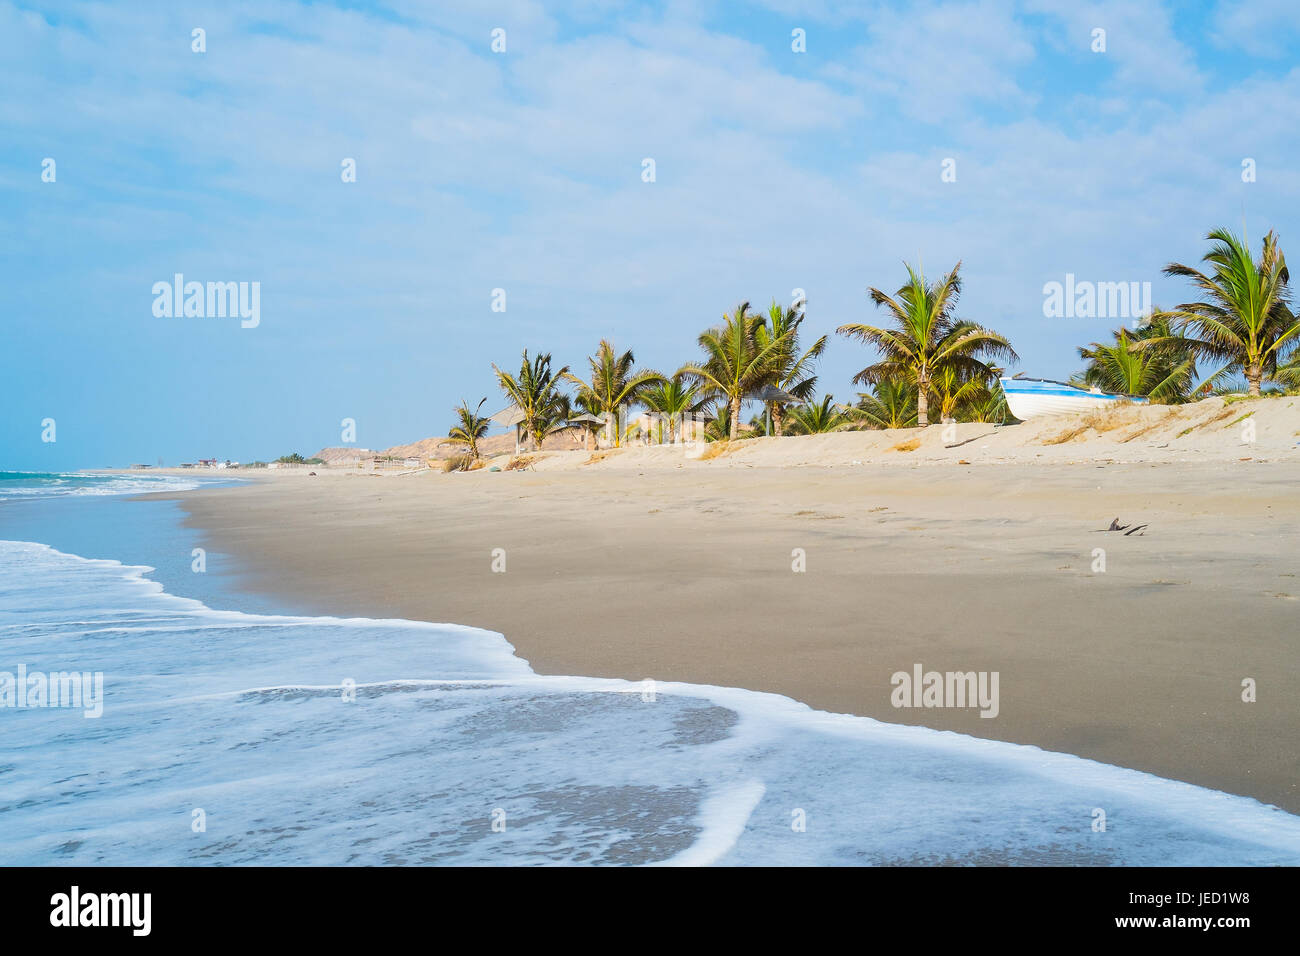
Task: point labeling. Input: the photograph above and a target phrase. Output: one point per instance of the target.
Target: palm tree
(554, 416)
(991, 407)
(890, 404)
(954, 389)
(718, 428)
(1288, 375)
(735, 363)
(927, 337)
(1165, 371)
(1244, 318)
(791, 371)
(818, 419)
(470, 428)
(613, 384)
(535, 391)
(673, 398)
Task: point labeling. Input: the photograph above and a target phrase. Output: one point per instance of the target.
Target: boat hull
(1034, 399)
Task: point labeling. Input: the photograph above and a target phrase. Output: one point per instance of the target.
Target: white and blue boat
(1039, 397)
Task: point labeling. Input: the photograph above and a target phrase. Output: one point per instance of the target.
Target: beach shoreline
(649, 566)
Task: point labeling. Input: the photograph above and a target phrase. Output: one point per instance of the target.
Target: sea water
(230, 737)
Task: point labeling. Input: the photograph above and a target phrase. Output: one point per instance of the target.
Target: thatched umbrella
(770, 393)
(587, 417)
(511, 415)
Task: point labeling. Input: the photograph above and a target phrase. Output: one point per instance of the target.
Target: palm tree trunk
(922, 406)
(1254, 374)
(735, 418)
(778, 419)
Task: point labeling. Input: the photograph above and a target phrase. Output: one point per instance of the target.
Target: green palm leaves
(926, 338)
(792, 370)
(614, 384)
(1243, 318)
(736, 361)
(469, 427)
(535, 391)
(818, 419)
(1152, 361)
(673, 399)
(889, 404)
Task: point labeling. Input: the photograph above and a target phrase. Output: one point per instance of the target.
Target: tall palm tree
(792, 371)
(821, 418)
(889, 404)
(735, 363)
(553, 417)
(674, 398)
(613, 386)
(1164, 372)
(535, 391)
(926, 337)
(469, 428)
(1244, 318)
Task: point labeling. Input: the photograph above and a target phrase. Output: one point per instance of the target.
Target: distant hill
(438, 448)
(333, 456)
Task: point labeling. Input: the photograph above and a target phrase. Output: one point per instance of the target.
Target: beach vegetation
(615, 385)
(792, 371)
(522, 462)
(820, 418)
(674, 399)
(925, 337)
(1243, 318)
(469, 428)
(536, 392)
(889, 404)
(736, 362)
(1154, 361)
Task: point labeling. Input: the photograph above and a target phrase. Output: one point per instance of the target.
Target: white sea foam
(80, 484)
(244, 717)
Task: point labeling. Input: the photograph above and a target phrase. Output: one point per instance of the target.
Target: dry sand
(651, 564)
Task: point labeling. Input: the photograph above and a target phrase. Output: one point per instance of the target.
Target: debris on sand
(1128, 529)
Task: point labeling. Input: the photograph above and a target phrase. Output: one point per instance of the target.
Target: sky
(522, 170)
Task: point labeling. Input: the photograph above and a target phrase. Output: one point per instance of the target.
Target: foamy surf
(232, 738)
(22, 484)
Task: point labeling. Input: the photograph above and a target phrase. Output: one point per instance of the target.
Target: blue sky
(775, 170)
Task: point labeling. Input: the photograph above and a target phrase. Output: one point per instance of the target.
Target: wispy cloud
(523, 171)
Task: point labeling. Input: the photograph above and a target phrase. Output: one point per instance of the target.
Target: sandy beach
(974, 554)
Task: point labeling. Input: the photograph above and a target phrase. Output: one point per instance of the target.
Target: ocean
(232, 732)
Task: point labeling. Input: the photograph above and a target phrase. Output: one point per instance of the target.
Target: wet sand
(659, 570)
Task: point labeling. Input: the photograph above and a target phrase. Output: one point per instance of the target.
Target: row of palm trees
(1242, 327)
(930, 363)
